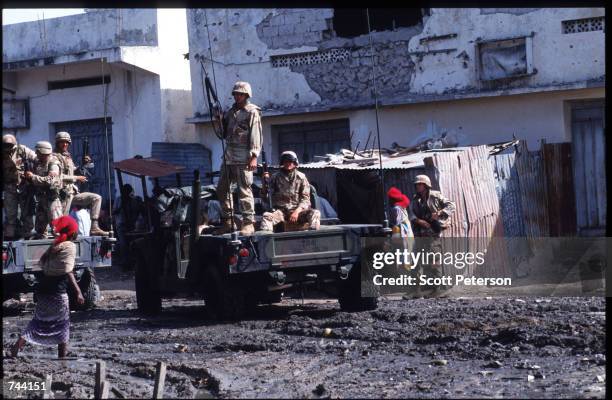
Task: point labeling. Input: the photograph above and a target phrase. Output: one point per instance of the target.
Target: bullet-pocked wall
(297, 61)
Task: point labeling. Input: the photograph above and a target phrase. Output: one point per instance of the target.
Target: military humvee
(234, 273)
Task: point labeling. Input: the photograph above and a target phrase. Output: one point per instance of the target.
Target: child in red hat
(400, 222)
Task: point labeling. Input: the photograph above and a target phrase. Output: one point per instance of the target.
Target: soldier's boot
(95, 229)
(226, 227)
(247, 228)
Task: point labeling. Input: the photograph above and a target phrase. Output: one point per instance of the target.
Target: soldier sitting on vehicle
(47, 183)
(70, 193)
(16, 195)
(290, 192)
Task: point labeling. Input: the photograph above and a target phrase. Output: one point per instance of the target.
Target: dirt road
(430, 348)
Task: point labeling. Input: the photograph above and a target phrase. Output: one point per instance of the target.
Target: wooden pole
(160, 378)
(47, 392)
(100, 377)
(104, 390)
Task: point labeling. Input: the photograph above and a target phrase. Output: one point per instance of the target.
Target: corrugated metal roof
(149, 166)
(409, 161)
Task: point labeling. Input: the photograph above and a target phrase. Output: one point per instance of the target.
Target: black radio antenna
(381, 172)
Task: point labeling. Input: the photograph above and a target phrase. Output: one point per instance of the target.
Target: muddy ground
(429, 348)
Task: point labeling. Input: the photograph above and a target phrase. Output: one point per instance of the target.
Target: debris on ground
(279, 350)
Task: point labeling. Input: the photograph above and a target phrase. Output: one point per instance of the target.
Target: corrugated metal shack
(533, 191)
(520, 194)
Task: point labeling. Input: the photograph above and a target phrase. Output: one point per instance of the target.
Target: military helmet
(289, 156)
(44, 147)
(63, 136)
(242, 87)
(423, 179)
(9, 141)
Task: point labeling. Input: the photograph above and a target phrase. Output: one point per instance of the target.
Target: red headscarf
(398, 198)
(65, 226)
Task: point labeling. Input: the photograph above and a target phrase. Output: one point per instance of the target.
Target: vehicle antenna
(380, 171)
(108, 152)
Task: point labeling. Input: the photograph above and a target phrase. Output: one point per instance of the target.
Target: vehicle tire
(148, 298)
(275, 296)
(350, 292)
(87, 284)
(225, 301)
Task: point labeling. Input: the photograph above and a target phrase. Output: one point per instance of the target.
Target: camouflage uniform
(290, 191)
(70, 192)
(423, 209)
(430, 238)
(14, 187)
(243, 141)
(47, 185)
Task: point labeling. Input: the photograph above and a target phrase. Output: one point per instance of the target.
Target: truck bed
(21, 256)
(330, 245)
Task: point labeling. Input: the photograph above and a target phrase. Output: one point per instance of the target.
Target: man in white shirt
(83, 219)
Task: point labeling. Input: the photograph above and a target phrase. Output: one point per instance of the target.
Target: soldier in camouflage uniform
(14, 157)
(243, 135)
(71, 195)
(429, 213)
(47, 183)
(290, 197)
(429, 210)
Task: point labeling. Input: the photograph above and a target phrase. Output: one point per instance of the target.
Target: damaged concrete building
(53, 71)
(480, 75)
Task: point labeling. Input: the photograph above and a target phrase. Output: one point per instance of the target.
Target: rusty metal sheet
(557, 159)
(508, 193)
(533, 191)
(468, 180)
(150, 167)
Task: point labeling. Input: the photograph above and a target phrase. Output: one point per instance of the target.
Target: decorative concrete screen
(316, 57)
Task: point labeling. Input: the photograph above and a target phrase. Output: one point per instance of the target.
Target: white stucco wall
(240, 52)
(149, 96)
(240, 55)
(133, 109)
(557, 57)
(79, 33)
(531, 117)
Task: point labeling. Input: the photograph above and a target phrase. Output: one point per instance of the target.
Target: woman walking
(51, 322)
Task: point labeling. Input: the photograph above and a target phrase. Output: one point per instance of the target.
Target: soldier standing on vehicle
(70, 193)
(430, 213)
(14, 158)
(46, 180)
(243, 135)
(290, 196)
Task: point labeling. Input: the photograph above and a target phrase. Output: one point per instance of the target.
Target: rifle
(82, 169)
(265, 180)
(214, 106)
(86, 147)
